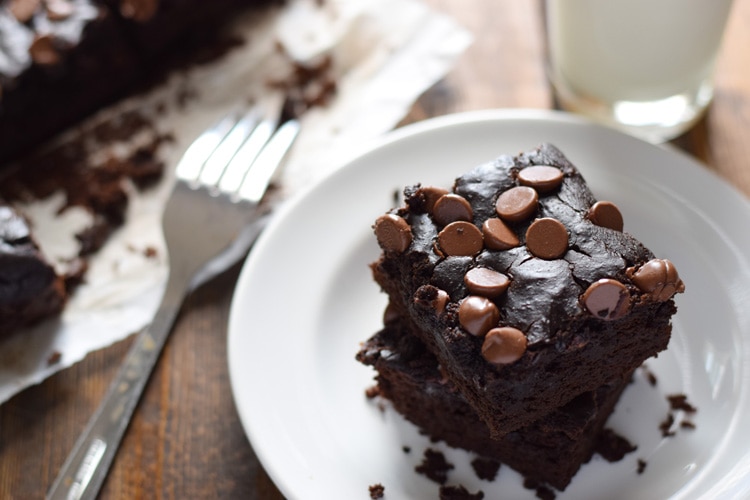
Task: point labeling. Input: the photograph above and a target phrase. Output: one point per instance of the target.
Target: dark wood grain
(186, 440)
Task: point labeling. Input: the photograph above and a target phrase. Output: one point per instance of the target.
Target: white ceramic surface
(305, 300)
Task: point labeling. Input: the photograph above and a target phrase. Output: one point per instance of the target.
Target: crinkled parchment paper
(385, 53)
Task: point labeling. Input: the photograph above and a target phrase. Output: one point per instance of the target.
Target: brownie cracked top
(521, 245)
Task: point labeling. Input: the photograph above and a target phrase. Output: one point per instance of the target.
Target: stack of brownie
(518, 311)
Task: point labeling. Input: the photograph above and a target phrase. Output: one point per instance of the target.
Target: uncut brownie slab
(550, 450)
(524, 287)
(57, 65)
(62, 60)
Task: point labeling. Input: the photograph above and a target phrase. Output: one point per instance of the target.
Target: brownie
(56, 68)
(524, 287)
(30, 290)
(165, 27)
(550, 450)
(62, 60)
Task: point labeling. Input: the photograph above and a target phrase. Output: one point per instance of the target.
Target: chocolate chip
(393, 233)
(440, 301)
(431, 195)
(43, 50)
(451, 208)
(543, 178)
(606, 214)
(547, 238)
(486, 282)
(432, 297)
(504, 345)
(59, 10)
(659, 278)
(498, 236)
(477, 315)
(517, 203)
(23, 10)
(607, 299)
(460, 238)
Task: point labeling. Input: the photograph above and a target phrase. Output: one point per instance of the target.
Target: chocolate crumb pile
(309, 85)
(95, 168)
(678, 406)
(459, 493)
(434, 466)
(377, 491)
(97, 183)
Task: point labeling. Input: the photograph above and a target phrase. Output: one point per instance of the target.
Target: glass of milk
(644, 66)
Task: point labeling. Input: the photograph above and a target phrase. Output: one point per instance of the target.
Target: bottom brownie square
(550, 450)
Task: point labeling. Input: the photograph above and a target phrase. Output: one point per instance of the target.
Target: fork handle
(85, 469)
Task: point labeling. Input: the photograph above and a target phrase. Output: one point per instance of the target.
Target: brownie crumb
(150, 252)
(613, 447)
(687, 424)
(666, 426)
(459, 493)
(650, 376)
(680, 402)
(434, 466)
(310, 85)
(372, 392)
(641, 466)
(545, 493)
(93, 237)
(377, 491)
(54, 358)
(485, 468)
(677, 403)
(406, 449)
(143, 166)
(542, 491)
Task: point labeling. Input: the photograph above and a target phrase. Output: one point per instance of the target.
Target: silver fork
(209, 222)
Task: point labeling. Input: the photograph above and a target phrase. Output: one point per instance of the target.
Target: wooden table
(186, 440)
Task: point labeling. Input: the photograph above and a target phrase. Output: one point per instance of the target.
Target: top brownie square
(524, 287)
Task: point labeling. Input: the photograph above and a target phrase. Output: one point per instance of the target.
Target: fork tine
(270, 158)
(198, 152)
(248, 152)
(217, 162)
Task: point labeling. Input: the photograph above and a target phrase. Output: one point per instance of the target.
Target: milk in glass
(643, 65)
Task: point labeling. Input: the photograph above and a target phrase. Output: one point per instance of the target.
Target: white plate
(305, 300)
